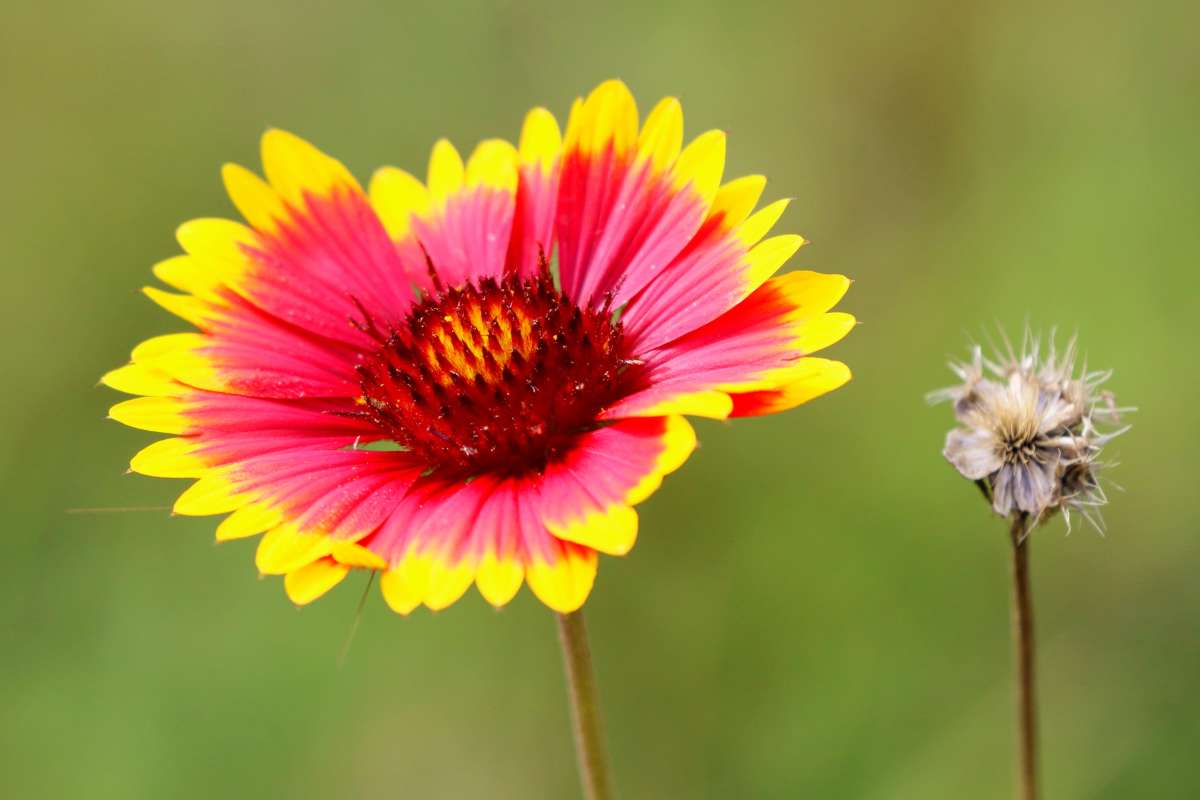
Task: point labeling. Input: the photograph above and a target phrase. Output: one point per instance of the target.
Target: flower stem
(585, 708)
(1022, 632)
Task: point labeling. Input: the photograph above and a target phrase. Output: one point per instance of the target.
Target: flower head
(400, 380)
(1029, 435)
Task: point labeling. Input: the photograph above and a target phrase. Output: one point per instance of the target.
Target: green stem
(1022, 632)
(585, 708)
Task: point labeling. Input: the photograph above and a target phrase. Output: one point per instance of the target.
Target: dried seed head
(1028, 431)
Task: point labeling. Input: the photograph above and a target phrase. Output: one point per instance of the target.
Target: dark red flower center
(500, 376)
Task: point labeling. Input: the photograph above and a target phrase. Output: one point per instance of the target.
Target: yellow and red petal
(399, 595)
(488, 531)
(811, 378)
(142, 380)
(759, 345)
(170, 458)
(427, 541)
(588, 497)
(297, 170)
(255, 199)
(463, 220)
(275, 300)
(285, 549)
(313, 580)
(353, 554)
(498, 579)
(277, 468)
(625, 211)
(311, 505)
(245, 352)
(249, 520)
(318, 253)
(398, 197)
(661, 138)
(562, 575)
(539, 149)
(158, 414)
(722, 264)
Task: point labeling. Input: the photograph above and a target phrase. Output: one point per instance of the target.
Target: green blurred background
(817, 606)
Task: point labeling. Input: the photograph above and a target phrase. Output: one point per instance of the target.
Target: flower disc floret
(502, 376)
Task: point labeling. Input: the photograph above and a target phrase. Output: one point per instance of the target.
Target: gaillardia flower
(1029, 432)
(476, 378)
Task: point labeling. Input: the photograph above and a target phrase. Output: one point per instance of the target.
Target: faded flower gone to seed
(1028, 434)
